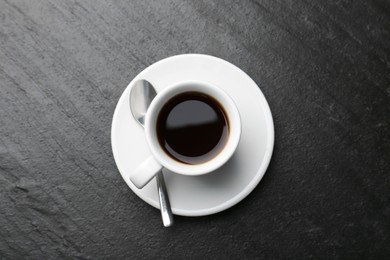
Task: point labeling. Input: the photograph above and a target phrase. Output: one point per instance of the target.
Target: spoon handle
(165, 207)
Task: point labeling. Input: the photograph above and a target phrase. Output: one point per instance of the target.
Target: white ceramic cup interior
(159, 158)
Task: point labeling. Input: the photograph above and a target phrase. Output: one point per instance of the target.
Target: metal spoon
(141, 95)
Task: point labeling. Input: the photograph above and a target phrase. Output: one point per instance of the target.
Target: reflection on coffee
(192, 128)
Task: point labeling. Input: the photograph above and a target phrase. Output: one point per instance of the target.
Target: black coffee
(192, 128)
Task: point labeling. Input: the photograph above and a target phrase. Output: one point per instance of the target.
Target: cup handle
(145, 172)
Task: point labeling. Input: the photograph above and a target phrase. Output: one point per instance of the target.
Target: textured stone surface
(324, 67)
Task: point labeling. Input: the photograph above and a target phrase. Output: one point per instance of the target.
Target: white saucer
(216, 191)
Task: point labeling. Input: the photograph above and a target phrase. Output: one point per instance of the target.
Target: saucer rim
(261, 170)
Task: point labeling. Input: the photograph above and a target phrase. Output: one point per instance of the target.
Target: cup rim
(231, 112)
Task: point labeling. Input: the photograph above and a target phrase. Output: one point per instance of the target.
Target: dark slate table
(324, 67)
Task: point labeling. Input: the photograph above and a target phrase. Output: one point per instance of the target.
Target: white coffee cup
(159, 158)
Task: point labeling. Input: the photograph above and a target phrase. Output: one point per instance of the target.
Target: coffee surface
(192, 128)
